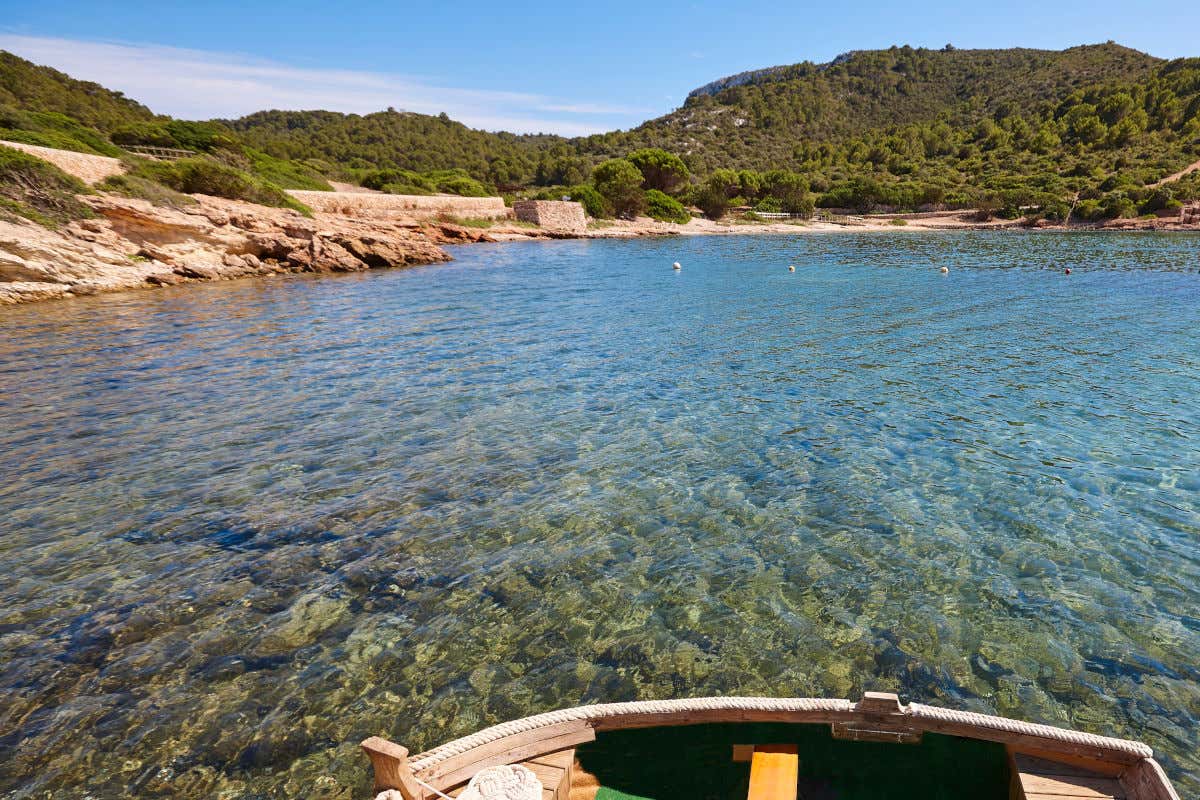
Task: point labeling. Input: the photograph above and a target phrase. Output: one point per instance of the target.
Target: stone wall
(554, 215)
(88, 168)
(1190, 214)
(363, 204)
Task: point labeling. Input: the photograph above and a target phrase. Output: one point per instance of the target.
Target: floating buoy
(944, 270)
(1067, 271)
(676, 266)
(791, 268)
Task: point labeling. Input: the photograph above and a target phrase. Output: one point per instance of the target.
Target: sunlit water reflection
(244, 525)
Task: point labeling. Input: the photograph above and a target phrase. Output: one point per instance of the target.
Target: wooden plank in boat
(563, 760)
(1064, 761)
(774, 772)
(559, 758)
(1046, 766)
(508, 750)
(1071, 786)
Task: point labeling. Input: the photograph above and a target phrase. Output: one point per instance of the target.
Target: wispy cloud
(199, 84)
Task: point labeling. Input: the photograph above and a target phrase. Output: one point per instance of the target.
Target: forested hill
(943, 116)
(961, 68)
(402, 140)
(903, 128)
(29, 87)
(759, 117)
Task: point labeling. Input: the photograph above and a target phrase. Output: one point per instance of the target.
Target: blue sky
(564, 67)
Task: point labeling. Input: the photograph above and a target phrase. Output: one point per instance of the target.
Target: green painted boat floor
(694, 762)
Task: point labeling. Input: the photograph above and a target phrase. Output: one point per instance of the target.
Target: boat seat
(1043, 779)
(774, 771)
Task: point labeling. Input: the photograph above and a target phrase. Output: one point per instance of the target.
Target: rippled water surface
(245, 525)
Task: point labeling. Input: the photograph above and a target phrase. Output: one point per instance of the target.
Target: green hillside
(400, 140)
(902, 127)
(29, 87)
(1089, 128)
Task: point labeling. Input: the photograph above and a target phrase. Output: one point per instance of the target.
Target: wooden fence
(160, 153)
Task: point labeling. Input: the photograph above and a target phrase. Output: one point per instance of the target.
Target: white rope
(767, 704)
(605, 710)
(920, 711)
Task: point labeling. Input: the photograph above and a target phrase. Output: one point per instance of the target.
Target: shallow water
(245, 525)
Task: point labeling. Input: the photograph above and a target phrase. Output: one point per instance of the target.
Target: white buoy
(676, 266)
(791, 268)
(944, 270)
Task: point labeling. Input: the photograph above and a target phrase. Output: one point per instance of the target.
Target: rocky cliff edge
(133, 244)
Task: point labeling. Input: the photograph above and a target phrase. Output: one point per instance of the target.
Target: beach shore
(131, 244)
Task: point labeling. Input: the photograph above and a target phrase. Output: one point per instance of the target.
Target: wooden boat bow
(877, 716)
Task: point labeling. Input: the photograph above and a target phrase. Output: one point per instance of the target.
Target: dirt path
(1190, 168)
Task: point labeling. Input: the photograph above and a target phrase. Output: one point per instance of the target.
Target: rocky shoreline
(132, 244)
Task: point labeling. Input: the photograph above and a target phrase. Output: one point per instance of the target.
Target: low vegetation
(403, 181)
(619, 182)
(663, 207)
(38, 191)
(467, 222)
(206, 175)
(52, 129)
(145, 189)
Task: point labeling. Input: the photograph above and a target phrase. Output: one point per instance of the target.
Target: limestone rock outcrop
(132, 244)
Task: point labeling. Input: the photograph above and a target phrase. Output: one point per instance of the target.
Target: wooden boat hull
(1044, 762)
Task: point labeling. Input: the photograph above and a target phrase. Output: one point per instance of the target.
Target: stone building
(557, 216)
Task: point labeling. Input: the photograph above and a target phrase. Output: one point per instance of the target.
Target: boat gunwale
(915, 716)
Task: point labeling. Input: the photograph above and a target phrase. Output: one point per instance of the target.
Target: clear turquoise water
(244, 525)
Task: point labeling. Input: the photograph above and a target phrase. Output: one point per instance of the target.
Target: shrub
(665, 208)
(790, 189)
(50, 129)
(145, 189)
(592, 201)
(404, 181)
(769, 205)
(204, 137)
(1088, 209)
(286, 174)
(398, 181)
(1117, 205)
(466, 187)
(660, 170)
(203, 175)
(144, 134)
(467, 222)
(1056, 210)
(986, 208)
(620, 182)
(712, 200)
(37, 190)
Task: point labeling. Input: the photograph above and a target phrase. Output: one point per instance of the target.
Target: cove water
(244, 525)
